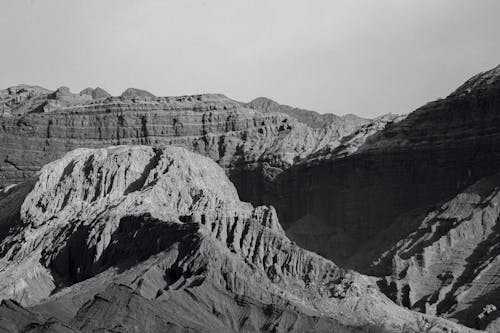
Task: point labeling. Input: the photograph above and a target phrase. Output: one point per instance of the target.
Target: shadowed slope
(109, 239)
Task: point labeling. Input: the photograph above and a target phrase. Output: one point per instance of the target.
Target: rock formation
(21, 99)
(448, 264)
(311, 118)
(136, 238)
(252, 146)
(431, 155)
(378, 202)
(411, 200)
(95, 93)
(136, 93)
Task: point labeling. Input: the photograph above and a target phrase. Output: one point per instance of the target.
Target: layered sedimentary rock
(361, 202)
(311, 118)
(96, 93)
(252, 146)
(431, 155)
(136, 93)
(149, 239)
(22, 98)
(448, 264)
(364, 197)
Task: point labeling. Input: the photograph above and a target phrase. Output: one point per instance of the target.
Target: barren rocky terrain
(410, 201)
(39, 126)
(135, 237)
(401, 195)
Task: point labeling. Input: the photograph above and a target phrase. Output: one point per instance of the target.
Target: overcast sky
(365, 57)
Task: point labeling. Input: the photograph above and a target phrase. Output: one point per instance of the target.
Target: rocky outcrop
(365, 198)
(136, 93)
(149, 239)
(448, 263)
(350, 143)
(311, 118)
(253, 147)
(64, 98)
(363, 201)
(96, 93)
(22, 98)
(431, 155)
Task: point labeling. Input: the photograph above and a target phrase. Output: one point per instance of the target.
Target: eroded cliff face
(429, 156)
(448, 263)
(157, 239)
(313, 119)
(39, 126)
(390, 198)
(367, 206)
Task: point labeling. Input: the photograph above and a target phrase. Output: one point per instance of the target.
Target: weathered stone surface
(311, 118)
(363, 201)
(157, 239)
(448, 264)
(365, 198)
(433, 153)
(95, 93)
(21, 99)
(252, 146)
(136, 93)
(63, 98)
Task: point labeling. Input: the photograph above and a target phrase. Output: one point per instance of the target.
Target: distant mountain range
(128, 232)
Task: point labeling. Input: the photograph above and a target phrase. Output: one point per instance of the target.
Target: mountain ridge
(157, 227)
(308, 117)
(386, 197)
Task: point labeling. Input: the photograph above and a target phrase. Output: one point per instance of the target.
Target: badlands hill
(143, 239)
(402, 194)
(410, 200)
(311, 118)
(39, 126)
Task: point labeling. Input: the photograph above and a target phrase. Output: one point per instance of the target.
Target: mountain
(448, 264)
(253, 146)
(136, 93)
(409, 200)
(95, 93)
(374, 197)
(311, 118)
(22, 98)
(137, 238)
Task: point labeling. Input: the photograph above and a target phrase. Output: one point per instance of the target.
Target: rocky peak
(264, 104)
(86, 177)
(388, 193)
(136, 93)
(248, 143)
(21, 99)
(87, 91)
(63, 98)
(310, 118)
(94, 190)
(140, 228)
(354, 141)
(485, 81)
(23, 89)
(96, 93)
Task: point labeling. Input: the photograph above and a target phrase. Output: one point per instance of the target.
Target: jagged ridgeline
(410, 200)
(156, 239)
(403, 205)
(39, 126)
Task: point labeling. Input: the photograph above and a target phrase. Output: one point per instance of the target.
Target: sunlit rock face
(410, 200)
(141, 238)
(253, 145)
